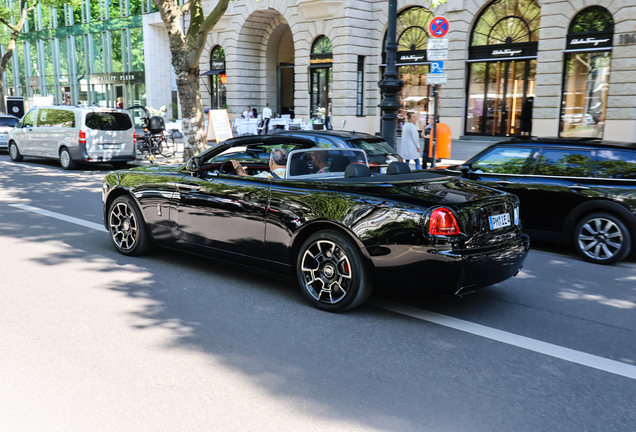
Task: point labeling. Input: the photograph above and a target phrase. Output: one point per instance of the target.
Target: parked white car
(6, 124)
(75, 135)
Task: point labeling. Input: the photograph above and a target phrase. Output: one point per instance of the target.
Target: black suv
(576, 191)
(379, 153)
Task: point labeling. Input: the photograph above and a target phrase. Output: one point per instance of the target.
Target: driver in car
(277, 165)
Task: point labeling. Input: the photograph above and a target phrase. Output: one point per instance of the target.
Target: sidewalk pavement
(461, 150)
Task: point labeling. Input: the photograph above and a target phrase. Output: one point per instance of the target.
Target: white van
(74, 135)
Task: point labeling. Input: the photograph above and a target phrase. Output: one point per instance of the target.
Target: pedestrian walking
(426, 134)
(411, 148)
(267, 114)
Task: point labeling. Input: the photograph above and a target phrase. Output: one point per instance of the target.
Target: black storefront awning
(213, 72)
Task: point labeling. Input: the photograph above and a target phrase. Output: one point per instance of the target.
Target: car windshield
(8, 121)
(108, 121)
(372, 147)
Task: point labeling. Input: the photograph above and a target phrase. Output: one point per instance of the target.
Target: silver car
(6, 124)
(75, 135)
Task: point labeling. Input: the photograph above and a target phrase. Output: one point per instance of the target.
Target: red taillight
(82, 137)
(443, 222)
(135, 137)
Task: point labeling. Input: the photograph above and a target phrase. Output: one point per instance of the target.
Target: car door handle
(578, 187)
(190, 187)
(504, 182)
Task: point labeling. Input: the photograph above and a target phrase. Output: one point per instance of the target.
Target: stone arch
(256, 57)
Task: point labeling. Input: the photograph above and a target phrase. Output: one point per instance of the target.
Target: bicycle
(156, 139)
(157, 143)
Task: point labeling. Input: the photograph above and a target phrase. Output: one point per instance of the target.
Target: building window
(218, 78)
(360, 87)
(586, 73)
(321, 61)
(502, 69)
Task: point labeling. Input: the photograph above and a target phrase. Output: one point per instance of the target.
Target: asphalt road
(93, 340)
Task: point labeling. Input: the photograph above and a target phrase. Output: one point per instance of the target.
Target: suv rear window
(372, 147)
(108, 121)
(8, 121)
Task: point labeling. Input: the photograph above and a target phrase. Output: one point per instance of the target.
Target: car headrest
(339, 163)
(298, 167)
(398, 168)
(357, 170)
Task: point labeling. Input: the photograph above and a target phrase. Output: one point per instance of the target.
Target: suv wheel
(602, 238)
(65, 159)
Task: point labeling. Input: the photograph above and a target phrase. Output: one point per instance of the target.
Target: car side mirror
(465, 169)
(194, 164)
(18, 125)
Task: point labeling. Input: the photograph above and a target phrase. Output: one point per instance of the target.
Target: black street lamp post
(390, 85)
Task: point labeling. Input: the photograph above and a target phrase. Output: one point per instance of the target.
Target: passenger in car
(277, 165)
(319, 160)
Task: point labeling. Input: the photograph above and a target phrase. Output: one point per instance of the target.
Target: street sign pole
(433, 139)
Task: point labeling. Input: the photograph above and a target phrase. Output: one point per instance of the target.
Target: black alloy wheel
(127, 228)
(14, 152)
(65, 159)
(602, 238)
(331, 272)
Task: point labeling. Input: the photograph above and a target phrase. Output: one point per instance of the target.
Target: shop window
(218, 78)
(116, 53)
(321, 60)
(586, 73)
(412, 64)
(137, 48)
(502, 69)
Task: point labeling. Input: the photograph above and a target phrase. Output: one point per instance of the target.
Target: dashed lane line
(59, 216)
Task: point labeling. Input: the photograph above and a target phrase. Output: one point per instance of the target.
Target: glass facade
(89, 53)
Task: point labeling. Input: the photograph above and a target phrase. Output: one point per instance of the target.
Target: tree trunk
(3, 107)
(192, 110)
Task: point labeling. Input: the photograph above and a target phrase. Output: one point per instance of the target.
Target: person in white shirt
(267, 114)
(248, 113)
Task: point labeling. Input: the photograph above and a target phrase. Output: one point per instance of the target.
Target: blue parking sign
(437, 67)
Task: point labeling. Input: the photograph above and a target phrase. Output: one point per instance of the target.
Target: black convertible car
(339, 228)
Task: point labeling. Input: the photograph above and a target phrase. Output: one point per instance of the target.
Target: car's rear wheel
(65, 159)
(14, 152)
(332, 273)
(602, 238)
(127, 228)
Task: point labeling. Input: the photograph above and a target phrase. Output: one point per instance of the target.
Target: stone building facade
(504, 56)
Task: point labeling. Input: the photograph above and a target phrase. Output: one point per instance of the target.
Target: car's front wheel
(602, 238)
(332, 273)
(14, 152)
(127, 228)
(65, 159)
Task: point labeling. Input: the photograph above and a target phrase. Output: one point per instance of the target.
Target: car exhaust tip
(469, 289)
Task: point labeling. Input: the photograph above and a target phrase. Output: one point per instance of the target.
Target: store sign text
(315, 61)
(588, 41)
(506, 52)
(412, 58)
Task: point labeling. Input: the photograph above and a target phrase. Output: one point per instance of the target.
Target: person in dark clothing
(426, 134)
(526, 116)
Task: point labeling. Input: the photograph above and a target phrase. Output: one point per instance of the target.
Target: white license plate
(499, 221)
(111, 146)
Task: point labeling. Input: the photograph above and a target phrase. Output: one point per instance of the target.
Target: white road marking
(596, 362)
(59, 216)
(578, 357)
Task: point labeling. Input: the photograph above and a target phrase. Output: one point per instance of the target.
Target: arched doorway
(502, 68)
(413, 64)
(264, 64)
(586, 73)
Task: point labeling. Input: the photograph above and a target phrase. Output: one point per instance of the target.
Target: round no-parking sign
(438, 27)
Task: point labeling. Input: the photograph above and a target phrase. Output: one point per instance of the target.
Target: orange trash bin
(443, 142)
